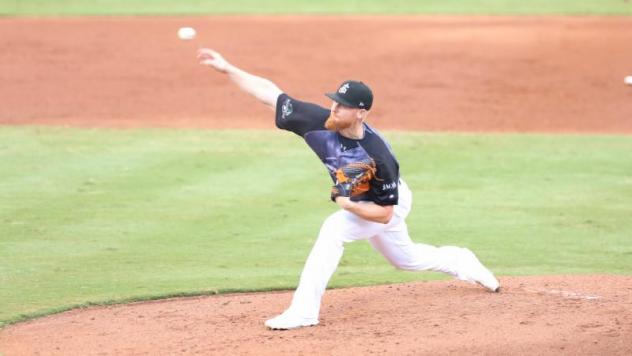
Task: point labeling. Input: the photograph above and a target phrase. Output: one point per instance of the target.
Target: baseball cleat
(287, 321)
(479, 274)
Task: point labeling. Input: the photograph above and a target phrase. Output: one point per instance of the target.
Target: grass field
(195, 7)
(110, 215)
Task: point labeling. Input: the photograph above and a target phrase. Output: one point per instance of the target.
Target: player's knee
(406, 267)
(403, 265)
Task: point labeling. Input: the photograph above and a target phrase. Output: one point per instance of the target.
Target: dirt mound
(574, 315)
(428, 73)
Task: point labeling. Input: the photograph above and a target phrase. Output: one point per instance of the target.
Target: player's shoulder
(376, 145)
(284, 105)
(285, 98)
(299, 116)
(287, 105)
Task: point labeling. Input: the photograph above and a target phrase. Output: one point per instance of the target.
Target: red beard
(335, 125)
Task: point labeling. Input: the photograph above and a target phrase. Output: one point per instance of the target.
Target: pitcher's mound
(574, 315)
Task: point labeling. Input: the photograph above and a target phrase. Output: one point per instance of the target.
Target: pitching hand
(213, 59)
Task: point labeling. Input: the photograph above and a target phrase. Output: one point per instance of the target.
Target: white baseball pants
(391, 240)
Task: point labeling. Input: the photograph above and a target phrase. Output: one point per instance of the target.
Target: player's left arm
(367, 210)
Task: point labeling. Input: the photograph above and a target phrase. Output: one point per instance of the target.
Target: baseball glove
(353, 179)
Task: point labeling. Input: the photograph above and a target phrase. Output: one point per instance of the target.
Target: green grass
(199, 7)
(102, 216)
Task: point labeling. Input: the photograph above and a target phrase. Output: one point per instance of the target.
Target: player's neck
(355, 132)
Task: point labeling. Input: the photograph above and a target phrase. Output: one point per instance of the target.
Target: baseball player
(373, 199)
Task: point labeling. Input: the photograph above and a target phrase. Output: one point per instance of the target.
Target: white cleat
(477, 273)
(287, 321)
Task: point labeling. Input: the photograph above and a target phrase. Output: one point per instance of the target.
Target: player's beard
(335, 125)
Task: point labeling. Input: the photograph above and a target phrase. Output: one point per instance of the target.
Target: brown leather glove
(353, 179)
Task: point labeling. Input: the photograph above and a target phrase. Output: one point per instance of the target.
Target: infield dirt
(428, 73)
(572, 315)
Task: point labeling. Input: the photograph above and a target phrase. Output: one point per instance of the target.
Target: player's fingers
(213, 53)
(208, 51)
(209, 62)
(204, 53)
(208, 57)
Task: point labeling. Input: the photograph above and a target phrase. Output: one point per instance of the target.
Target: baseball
(186, 33)
(628, 80)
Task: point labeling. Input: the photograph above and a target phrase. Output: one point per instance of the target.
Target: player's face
(341, 117)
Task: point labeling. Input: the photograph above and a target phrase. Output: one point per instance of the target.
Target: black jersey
(335, 151)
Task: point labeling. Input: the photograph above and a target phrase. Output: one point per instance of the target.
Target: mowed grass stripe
(173, 7)
(100, 216)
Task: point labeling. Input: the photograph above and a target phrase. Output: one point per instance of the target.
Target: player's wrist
(344, 202)
(228, 68)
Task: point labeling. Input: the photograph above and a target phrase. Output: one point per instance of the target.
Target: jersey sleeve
(298, 116)
(384, 187)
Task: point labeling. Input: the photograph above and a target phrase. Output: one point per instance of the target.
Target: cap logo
(343, 89)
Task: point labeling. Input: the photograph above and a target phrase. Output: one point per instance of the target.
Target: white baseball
(186, 33)
(628, 80)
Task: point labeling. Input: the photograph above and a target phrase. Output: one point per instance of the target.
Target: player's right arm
(263, 89)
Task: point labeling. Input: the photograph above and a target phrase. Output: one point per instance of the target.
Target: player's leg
(397, 247)
(339, 228)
